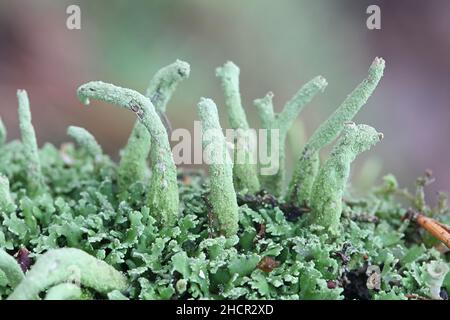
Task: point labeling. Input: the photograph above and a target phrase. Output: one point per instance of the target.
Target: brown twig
(435, 228)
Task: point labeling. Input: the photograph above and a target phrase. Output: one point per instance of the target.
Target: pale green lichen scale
(60, 265)
(328, 188)
(308, 163)
(222, 195)
(163, 189)
(35, 179)
(245, 174)
(133, 161)
(86, 140)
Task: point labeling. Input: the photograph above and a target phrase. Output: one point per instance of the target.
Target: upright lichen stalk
(133, 161)
(2, 133)
(328, 188)
(163, 190)
(85, 139)
(283, 122)
(222, 195)
(308, 164)
(35, 179)
(245, 166)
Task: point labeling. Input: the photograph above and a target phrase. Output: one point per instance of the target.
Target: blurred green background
(279, 45)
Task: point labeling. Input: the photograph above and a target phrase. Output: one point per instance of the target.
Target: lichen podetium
(283, 121)
(60, 265)
(308, 164)
(34, 173)
(222, 195)
(328, 188)
(163, 190)
(245, 174)
(133, 160)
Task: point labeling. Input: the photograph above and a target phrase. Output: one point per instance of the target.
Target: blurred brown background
(279, 45)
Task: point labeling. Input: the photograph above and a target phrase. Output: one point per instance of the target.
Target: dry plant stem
(35, 179)
(435, 228)
(133, 161)
(60, 265)
(283, 122)
(163, 190)
(244, 172)
(222, 195)
(308, 164)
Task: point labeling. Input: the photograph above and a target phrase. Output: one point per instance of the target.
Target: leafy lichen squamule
(222, 195)
(163, 190)
(283, 122)
(328, 188)
(133, 161)
(244, 174)
(35, 179)
(85, 139)
(59, 265)
(308, 164)
(11, 268)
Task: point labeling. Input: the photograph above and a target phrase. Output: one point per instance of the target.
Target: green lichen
(35, 179)
(283, 122)
(11, 268)
(222, 195)
(245, 167)
(434, 276)
(3, 133)
(328, 188)
(81, 233)
(85, 139)
(64, 291)
(60, 265)
(163, 190)
(308, 164)
(6, 202)
(133, 161)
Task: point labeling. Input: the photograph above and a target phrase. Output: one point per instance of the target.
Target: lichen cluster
(76, 225)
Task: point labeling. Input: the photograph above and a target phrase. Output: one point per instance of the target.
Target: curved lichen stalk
(133, 161)
(11, 269)
(60, 265)
(64, 291)
(222, 195)
(35, 178)
(328, 188)
(308, 164)
(6, 202)
(163, 190)
(85, 139)
(283, 122)
(3, 133)
(245, 169)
